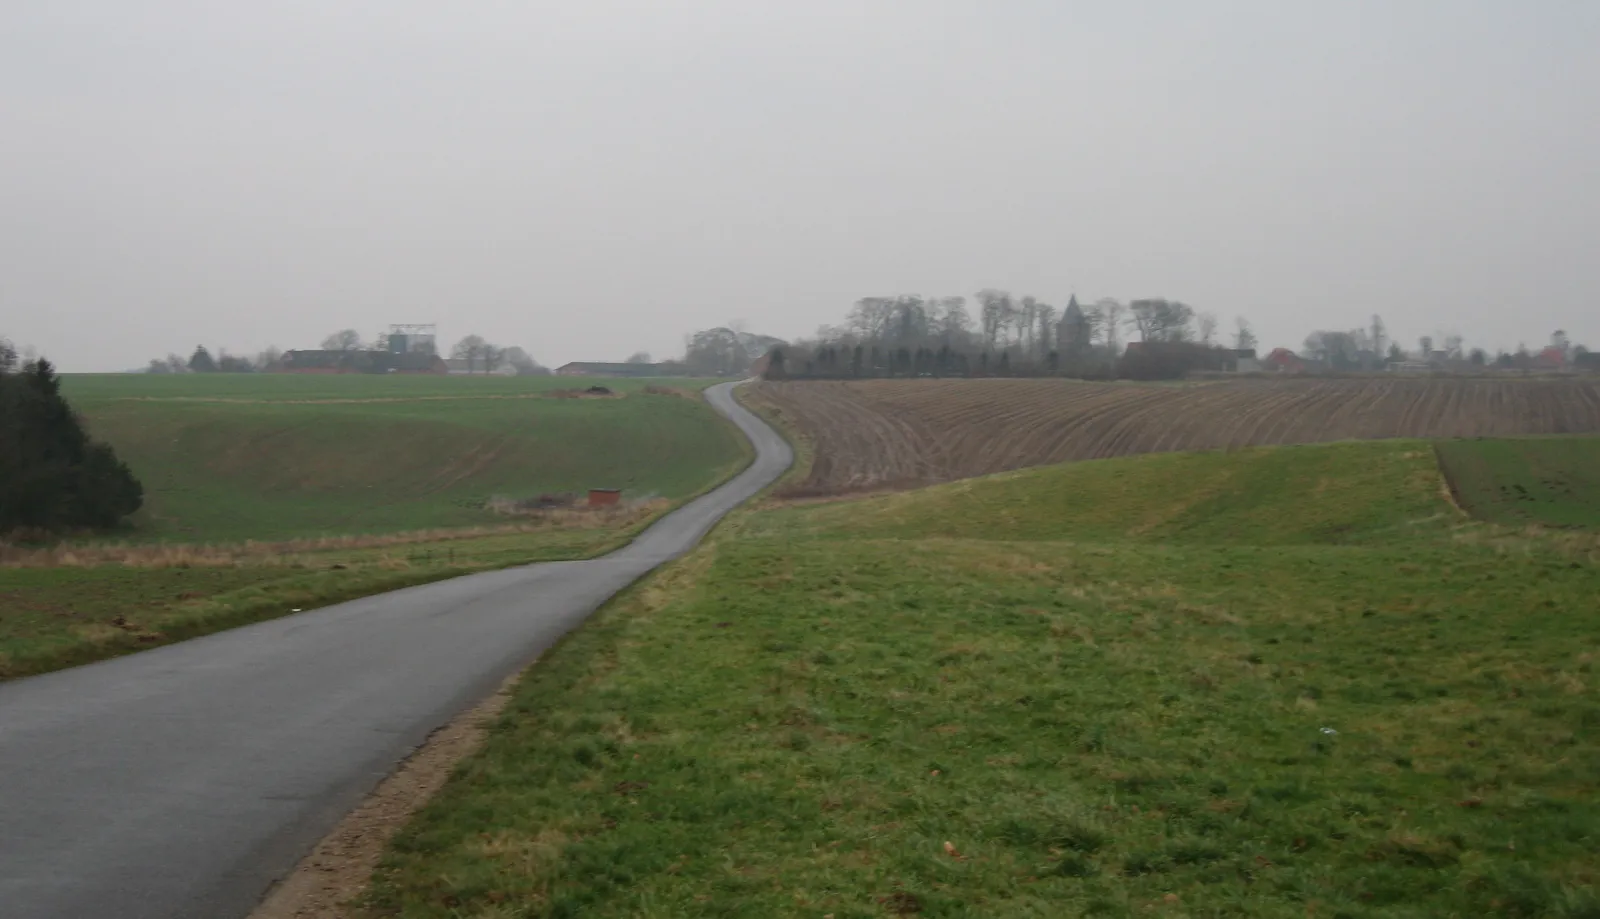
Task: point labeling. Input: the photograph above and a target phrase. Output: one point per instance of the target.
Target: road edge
(328, 880)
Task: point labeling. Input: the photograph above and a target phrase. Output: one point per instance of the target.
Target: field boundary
(1448, 489)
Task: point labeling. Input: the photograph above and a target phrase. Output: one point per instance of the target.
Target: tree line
(1003, 335)
(998, 334)
(480, 355)
(53, 477)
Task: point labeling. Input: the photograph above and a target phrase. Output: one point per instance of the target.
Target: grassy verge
(757, 402)
(63, 615)
(1317, 701)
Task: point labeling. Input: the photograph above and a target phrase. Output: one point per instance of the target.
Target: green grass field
(245, 475)
(59, 616)
(267, 457)
(1547, 481)
(1284, 682)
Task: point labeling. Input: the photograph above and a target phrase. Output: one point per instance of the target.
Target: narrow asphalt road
(183, 781)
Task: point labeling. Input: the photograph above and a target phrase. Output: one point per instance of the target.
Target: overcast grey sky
(591, 177)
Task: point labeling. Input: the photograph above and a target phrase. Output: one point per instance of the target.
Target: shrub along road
(184, 780)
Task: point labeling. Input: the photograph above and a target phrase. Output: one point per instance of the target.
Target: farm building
(359, 362)
(1550, 359)
(460, 366)
(603, 369)
(1284, 361)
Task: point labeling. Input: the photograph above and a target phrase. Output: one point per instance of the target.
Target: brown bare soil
(876, 434)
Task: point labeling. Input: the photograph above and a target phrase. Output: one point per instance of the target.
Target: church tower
(1072, 336)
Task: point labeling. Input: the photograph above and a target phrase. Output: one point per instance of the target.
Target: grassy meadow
(273, 456)
(269, 493)
(1543, 481)
(1279, 682)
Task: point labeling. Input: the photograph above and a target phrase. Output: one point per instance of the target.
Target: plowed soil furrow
(876, 434)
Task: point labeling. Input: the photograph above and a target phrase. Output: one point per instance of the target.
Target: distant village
(910, 336)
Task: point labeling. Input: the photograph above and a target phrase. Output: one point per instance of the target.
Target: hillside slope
(232, 458)
(1270, 683)
(1333, 493)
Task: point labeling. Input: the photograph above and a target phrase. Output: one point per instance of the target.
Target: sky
(589, 179)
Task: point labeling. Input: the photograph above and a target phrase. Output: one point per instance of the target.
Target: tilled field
(879, 434)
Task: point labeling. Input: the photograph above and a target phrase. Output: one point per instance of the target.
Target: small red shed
(605, 497)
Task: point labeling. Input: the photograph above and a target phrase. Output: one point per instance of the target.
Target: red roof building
(1284, 361)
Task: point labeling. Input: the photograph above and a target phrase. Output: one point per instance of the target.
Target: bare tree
(1027, 324)
(1206, 325)
(342, 340)
(492, 358)
(870, 317)
(954, 322)
(639, 357)
(469, 349)
(269, 358)
(1113, 311)
(1161, 320)
(910, 321)
(1047, 329)
(523, 362)
(1339, 349)
(994, 313)
(1245, 338)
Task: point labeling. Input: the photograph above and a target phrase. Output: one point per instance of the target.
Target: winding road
(183, 781)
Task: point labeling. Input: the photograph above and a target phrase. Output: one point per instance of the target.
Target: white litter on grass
(297, 609)
(1329, 731)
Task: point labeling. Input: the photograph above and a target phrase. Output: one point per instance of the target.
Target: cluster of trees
(486, 357)
(719, 352)
(1370, 348)
(52, 476)
(1367, 348)
(1003, 335)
